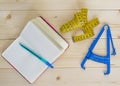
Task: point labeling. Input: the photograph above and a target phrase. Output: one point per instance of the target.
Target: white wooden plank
(12, 22)
(64, 77)
(58, 4)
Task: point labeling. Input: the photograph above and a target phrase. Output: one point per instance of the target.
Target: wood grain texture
(14, 15)
(58, 4)
(64, 77)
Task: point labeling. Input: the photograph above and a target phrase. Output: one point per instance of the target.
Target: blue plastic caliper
(101, 59)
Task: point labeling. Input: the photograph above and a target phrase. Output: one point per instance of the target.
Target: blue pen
(36, 55)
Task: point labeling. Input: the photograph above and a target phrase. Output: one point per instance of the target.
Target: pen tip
(52, 67)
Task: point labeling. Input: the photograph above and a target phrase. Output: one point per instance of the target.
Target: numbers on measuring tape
(90, 25)
(88, 30)
(84, 15)
(71, 25)
(80, 21)
(82, 37)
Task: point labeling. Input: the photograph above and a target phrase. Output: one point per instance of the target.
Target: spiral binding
(80, 22)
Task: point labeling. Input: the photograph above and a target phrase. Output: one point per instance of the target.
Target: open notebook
(41, 37)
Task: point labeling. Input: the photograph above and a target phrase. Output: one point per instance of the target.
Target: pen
(36, 55)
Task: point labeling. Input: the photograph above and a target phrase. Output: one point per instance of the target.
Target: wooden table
(14, 14)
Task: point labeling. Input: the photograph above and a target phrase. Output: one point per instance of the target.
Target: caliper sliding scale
(101, 59)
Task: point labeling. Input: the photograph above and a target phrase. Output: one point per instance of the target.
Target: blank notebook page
(42, 43)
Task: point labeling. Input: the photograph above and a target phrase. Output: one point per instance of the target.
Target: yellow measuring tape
(83, 37)
(80, 22)
(88, 30)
